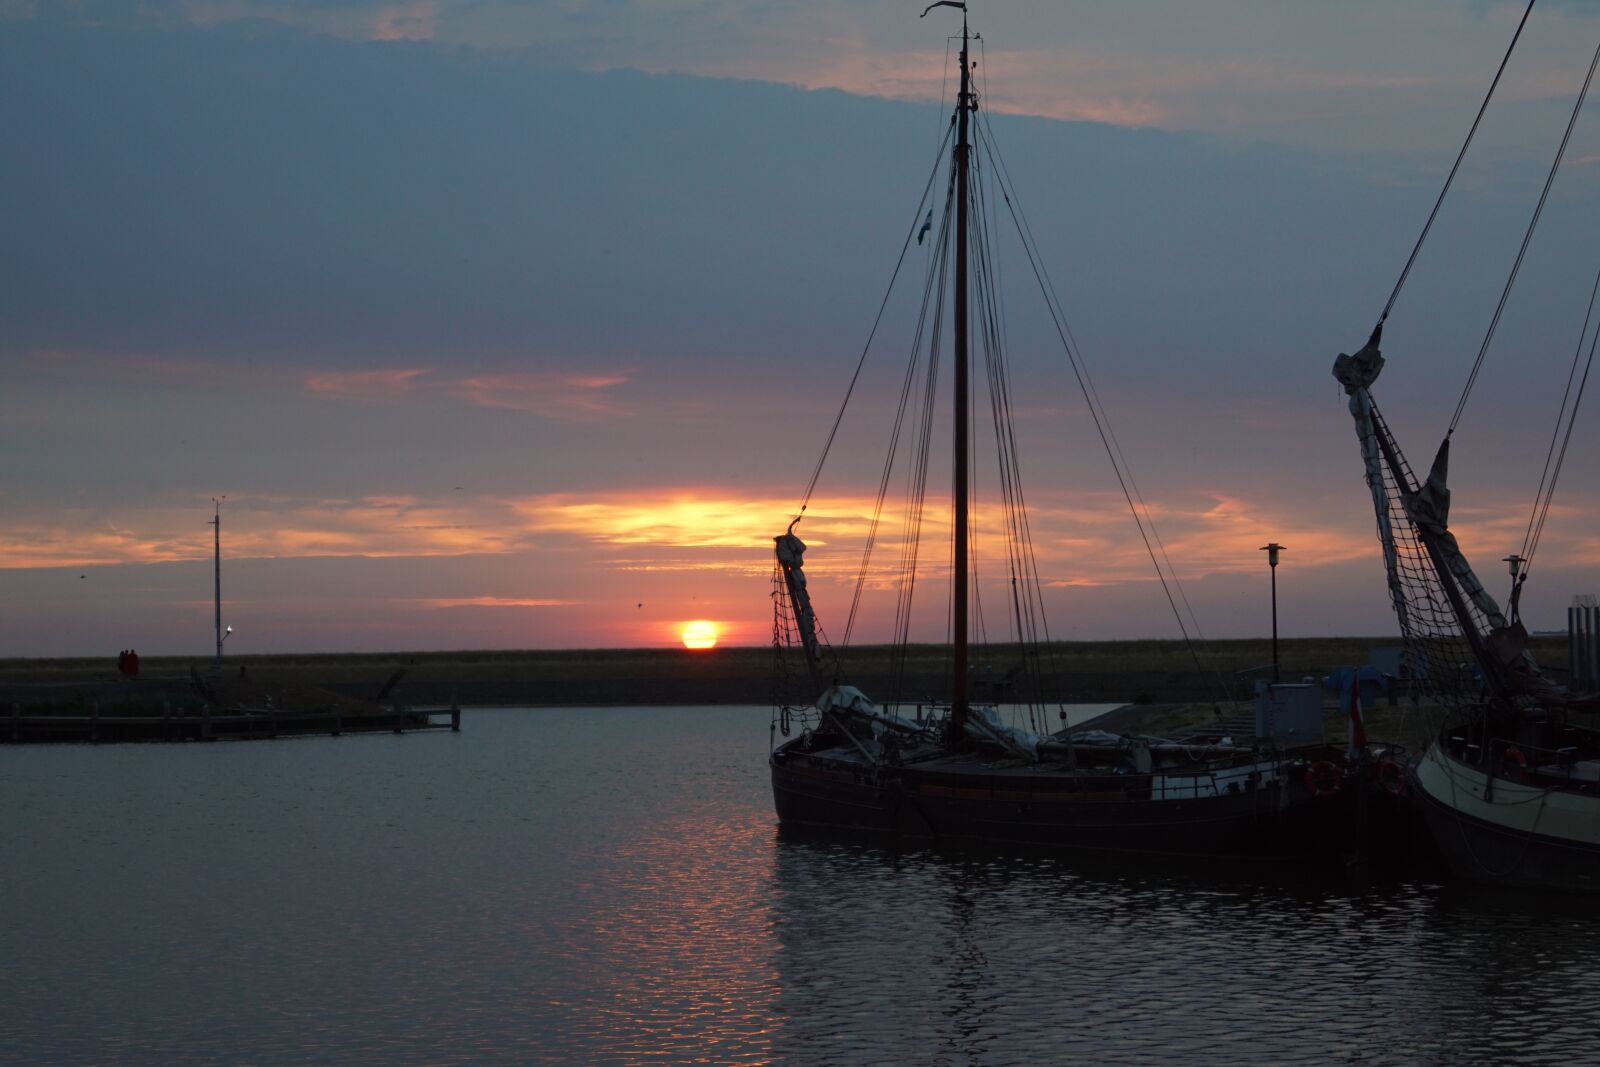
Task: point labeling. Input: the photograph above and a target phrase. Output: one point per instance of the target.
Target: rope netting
(1435, 600)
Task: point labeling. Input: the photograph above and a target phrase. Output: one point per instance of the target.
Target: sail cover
(1461, 651)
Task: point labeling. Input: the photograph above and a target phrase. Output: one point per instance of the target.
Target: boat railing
(1561, 767)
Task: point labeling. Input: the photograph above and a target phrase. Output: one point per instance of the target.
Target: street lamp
(1272, 548)
(1514, 562)
(216, 531)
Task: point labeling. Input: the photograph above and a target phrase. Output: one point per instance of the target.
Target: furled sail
(1461, 648)
(789, 550)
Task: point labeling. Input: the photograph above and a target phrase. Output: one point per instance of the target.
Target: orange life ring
(1391, 778)
(1324, 778)
(1514, 758)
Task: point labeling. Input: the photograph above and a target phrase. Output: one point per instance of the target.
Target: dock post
(94, 720)
(455, 714)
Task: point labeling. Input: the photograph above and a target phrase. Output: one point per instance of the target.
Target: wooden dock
(239, 724)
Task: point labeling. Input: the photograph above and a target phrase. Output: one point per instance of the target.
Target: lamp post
(1272, 548)
(1514, 562)
(216, 543)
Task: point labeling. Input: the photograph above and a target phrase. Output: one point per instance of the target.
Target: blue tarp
(1369, 677)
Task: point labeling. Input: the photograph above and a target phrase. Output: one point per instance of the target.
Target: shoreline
(1084, 672)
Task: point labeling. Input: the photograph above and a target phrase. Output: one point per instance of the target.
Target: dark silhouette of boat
(1511, 782)
(1011, 774)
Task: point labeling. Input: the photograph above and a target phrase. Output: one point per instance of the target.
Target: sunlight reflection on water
(608, 886)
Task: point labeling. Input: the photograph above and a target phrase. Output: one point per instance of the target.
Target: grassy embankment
(1145, 672)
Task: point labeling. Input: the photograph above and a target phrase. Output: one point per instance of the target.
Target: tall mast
(958, 689)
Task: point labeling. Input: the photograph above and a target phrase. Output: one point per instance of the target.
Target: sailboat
(959, 768)
(1510, 783)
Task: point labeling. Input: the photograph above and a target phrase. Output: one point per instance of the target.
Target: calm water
(607, 886)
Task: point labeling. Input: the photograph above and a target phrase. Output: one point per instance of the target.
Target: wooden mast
(958, 689)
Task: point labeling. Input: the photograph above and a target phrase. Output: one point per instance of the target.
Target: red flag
(1358, 730)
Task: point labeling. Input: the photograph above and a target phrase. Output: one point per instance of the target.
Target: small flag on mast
(927, 223)
(1358, 729)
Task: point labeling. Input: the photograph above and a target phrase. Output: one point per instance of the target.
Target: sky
(521, 325)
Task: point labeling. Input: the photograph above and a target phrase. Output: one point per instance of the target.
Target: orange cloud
(491, 602)
(682, 521)
(415, 21)
(552, 394)
(1082, 540)
(258, 528)
(1059, 83)
(549, 393)
(367, 384)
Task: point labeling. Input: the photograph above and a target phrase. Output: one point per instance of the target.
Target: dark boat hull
(1282, 817)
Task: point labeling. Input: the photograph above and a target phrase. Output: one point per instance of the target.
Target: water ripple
(607, 886)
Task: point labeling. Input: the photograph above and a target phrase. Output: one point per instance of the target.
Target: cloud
(1218, 67)
(489, 602)
(257, 528)
(1089, 541)
(571, 395)
(369, 384)
(413, 21)
(552, 394)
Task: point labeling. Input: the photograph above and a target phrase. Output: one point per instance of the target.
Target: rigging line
(989, 321)
(805, 500)
(1116, 444)
(917, 501)
(1023, 558)
(916, 490)
(1538, 532)
(1561, 415)
(1027, 610)
(975, 591)
(944, 82)
(1577, 109)
(1561, 457)
(1417, 248)
(1106, 444)
(1052, 303)
(1121, 457)
(985, 279)
(931, 275)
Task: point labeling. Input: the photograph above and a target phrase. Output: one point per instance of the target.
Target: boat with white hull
(1511, 780)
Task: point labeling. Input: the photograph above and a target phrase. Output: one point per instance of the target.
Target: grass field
(1150, 672)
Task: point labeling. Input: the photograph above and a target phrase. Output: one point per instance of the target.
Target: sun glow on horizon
(699, 634)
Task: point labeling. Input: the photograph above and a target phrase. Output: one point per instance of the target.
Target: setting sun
(699, 634)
